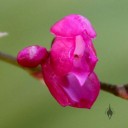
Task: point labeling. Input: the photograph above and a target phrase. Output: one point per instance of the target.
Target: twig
(12, 60)
(120, 91)
(117, 90)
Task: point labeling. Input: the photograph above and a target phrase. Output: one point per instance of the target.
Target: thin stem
(8, 58)
(109, 88)
(117, 90)
(12, 60)
(120, 91)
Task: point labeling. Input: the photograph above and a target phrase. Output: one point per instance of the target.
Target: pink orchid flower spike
(68, 68)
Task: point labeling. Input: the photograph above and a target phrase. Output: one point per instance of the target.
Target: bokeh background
(24, 101)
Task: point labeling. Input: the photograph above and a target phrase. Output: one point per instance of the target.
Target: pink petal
(54, 84)
(84, 53)
(84, 59)
(68, 91)
(62, 55)
(73, 25)
(76, 55)
(90, 52)
(32, 56)
(83, 96)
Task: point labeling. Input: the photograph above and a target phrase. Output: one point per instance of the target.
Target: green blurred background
(24, 101)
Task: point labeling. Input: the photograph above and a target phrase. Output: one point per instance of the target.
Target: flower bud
(32, 56)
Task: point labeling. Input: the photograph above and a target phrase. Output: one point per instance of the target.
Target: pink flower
(68, 70)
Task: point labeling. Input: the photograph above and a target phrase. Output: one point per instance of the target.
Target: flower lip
(73, 25)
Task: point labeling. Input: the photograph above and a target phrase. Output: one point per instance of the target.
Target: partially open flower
(68, 70)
